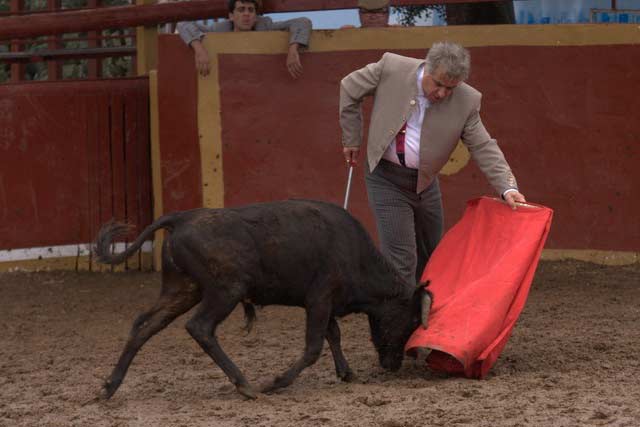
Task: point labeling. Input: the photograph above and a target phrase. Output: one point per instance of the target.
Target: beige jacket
(392, 81)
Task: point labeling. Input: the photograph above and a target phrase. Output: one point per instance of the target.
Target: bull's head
(393, 323)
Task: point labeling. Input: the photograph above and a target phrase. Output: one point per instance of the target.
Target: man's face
(244, 16)
(437, 86)
(374, 18)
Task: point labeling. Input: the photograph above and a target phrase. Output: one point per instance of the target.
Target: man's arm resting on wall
(299, 29)
(203, 64)
(190, 31)
(299, 34)
(192, 34)
(293, 60)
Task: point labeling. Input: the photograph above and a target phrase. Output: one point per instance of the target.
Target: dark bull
(298, 253)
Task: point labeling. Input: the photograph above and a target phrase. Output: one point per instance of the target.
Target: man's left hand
(514, 197)
(293, 61)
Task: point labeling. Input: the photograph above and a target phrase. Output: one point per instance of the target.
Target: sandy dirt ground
(572, 361)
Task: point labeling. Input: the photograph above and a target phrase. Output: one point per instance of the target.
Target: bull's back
(302, 232)
(285, 251)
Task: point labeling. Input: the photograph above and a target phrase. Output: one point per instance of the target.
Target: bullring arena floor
(573, 360)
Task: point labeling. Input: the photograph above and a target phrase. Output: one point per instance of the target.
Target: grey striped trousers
(409, 225)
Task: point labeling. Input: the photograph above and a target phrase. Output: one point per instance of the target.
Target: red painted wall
(281, 138)
(72, 156)
(178, 132)
(566, 118)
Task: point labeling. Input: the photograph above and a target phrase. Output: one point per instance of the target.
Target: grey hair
(451, 57)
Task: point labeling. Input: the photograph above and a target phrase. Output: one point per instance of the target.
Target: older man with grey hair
(422, 108)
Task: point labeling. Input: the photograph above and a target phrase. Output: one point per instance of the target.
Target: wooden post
(156, 166)
(146, 45)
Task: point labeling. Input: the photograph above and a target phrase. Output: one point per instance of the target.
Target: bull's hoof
(271, 386)
(108, 389)
(268, 387)
(348, 376)
(96, 399)
(246, 391)
(105, 393)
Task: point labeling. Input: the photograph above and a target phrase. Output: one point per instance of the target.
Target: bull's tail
(112, 230)
(249, 315)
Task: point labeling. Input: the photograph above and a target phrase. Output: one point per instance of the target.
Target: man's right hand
(351, 155)
(202, 58)
(293, 61)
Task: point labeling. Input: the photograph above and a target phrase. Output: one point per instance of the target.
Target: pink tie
(400, 143)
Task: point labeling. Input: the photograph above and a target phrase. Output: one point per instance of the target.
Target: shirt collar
(420, 76)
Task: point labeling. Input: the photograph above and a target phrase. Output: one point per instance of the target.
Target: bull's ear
(424, 284)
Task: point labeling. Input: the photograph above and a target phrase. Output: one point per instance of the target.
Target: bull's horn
(425, 309)
(422, 353)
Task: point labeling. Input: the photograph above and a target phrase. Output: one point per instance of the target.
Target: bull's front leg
(317, 323)
(343, 370)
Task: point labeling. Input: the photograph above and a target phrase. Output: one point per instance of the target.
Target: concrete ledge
(69, 257)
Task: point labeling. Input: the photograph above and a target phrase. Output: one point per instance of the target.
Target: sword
(346, 196)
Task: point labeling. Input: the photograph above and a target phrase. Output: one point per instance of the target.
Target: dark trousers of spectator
(410, 225)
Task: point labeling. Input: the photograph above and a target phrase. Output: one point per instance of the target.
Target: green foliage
(116, 2)
(4, 68)
(4, 73)
(75, 69)
(120, 66)
(408, 15)
(73, 4)
(35, 4)
(111, 67)
(482, 13)
(72, 69)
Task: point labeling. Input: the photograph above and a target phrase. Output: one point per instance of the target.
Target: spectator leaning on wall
(243, 16)
(372, 13)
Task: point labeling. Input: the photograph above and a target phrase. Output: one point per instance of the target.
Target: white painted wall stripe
(81, 249)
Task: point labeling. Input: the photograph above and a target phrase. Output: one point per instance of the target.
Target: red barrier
(74, 155)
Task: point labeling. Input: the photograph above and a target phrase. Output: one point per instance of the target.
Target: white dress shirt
(412, 135)
(414, 127)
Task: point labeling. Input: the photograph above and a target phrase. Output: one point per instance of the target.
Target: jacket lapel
(411, 88)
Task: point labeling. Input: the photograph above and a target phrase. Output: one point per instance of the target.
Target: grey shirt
(299, 29)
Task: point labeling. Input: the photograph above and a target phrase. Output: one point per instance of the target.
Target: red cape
(480, 275)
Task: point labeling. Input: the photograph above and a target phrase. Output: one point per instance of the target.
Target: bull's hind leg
(179, 294)
(333, 338)
(215, 307)
(317, 323)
